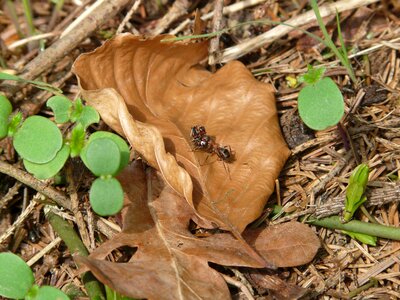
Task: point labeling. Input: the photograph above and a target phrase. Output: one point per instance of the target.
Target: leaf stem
(382, 231)
(71, 239)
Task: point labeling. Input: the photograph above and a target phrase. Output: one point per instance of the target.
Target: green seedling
(103, 157)
(355, 191)
(14, 124)
(5, 111)
(320, 102)
(65, 110)
(340, 54)
(17, 281)
(38, 140)
(60, 106)
(106, 196)
(77, 140)
(122, 146)
(362, 237)
(51, 168)
(105, 154)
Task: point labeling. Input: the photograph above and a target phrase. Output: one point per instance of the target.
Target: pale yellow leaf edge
(144, 138)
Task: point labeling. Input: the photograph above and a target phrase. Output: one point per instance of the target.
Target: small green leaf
(88, 116)
(362, 237)
(3, 126)
(14, 124)
(355, 191)
(321, 105)
(106, 196)
(5, 106)
(48, 293)
(113, 295)
(38, 140)
(312, 76)
(102, 157)
(77, 140)
(122, 145)
(60, 105)
(51, 168)
(16, 277)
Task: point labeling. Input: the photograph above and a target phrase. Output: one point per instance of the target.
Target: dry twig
(281, 30)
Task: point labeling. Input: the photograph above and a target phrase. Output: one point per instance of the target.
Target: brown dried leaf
(285, 245)
(170, 262)
(153, 92)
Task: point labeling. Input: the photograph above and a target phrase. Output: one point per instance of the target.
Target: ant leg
(226, 167)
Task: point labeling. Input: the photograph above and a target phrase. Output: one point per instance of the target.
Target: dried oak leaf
(153, 92)
(170, 262)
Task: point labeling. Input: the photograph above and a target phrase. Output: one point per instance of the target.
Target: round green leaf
(5, 106)
(106, 196)
(51, 168)
(103, 157)
(16, 277)
(49, 293)
(38, 140)
(321, 105)
(122, 145)
(3, 126)
(60, 105)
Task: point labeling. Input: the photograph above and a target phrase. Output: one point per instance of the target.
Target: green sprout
(362, 237)
(320, 102)
(340, 54)
(17, 281)
(44, 150)
(105, 155)
(355, 191)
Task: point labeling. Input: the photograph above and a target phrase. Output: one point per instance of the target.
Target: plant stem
(378, 230)
(28, 16)
(330, 43)
(71, 239)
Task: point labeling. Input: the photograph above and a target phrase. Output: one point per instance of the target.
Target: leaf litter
(152, 93)
(172, 263)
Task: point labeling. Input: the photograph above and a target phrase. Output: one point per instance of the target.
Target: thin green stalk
(378, 230)
(330, 43)
(71, 239)
(372, 282)
(29, 17)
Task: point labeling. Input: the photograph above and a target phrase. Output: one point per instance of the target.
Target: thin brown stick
(10, 195)
(36, 184)
(22, 217)
(178, 9)
(128, 16)
(46, 59)
(335, 205)
(217, 26)
(281, 30)
(239, 285)
(80, 222)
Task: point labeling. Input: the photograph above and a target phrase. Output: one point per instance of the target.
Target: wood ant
(204, 142)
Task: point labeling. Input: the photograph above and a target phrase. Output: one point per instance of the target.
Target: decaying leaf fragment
(170, 262)
(154, 92)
